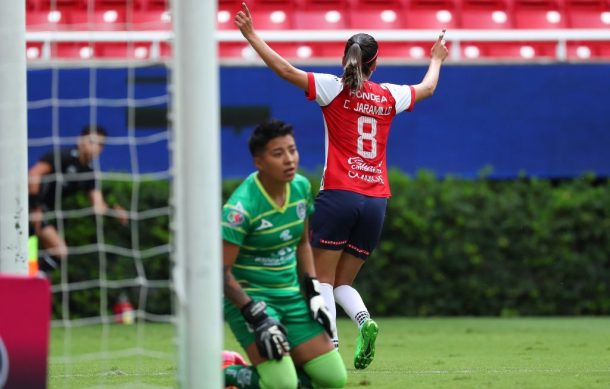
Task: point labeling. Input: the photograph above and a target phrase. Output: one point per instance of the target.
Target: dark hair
(266, 131)
(358, 57)
(94, 130)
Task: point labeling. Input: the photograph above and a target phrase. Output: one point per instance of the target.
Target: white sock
(326, 290)
(352, 303)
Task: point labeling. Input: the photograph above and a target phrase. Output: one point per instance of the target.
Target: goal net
(116, 271)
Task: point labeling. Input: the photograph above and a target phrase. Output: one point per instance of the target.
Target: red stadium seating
(272, 14)
(333, 51)
(158, 5)
(431, 14)
(508, 50)
(321, 15)
(359, 15)
(72, 50)
(586, 51)
(99, 20)
(588, 13)
(485, 14)
(538, 14)
(376, 14)
(55, 4)
(152, 20)
(49, 20)
(119, 50)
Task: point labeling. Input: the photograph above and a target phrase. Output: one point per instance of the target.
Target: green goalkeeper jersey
(267, 235)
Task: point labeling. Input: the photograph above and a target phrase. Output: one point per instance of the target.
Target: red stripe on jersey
(310, 93)
(412, 99)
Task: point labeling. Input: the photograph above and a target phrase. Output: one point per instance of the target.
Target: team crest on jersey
(235, 218)
(4, 364)
(301, 209)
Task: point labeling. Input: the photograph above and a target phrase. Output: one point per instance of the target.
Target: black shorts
(347, 221)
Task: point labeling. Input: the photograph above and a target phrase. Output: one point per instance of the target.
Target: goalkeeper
(44, 194)
(272, 299)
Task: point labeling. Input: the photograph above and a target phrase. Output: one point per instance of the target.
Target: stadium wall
(546, 120)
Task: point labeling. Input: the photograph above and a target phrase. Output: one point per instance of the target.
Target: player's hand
(36, 217)
(243, 20)
(121, 214)
(439, 50)
(317, 306)
(270, 334)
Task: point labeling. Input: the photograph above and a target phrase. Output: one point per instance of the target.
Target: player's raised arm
(438, 54)
(283, 68)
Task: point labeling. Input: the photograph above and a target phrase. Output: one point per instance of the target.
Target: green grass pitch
(411, 353)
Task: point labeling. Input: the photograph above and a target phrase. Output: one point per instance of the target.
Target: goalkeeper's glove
(269, 334)
(317, 307)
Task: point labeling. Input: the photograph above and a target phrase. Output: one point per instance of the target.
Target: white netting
(107, 260)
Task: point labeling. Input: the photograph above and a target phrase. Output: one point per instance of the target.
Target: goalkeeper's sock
(272, 373)
(327, 370)
(352, 304)
(326, 290)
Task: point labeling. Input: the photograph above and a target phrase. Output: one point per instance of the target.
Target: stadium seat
(72, 50)
(235, 50)
(271, 14)
(99, 20)
(47, 20)
(587, 51)
(55, 4)
(33, 50)
(588, 13)
(522, 51)
(158, 5)
(225, 14)
(332, 51)
(151, 20)
(538, 14)
(121, 50)
(376, 14)
(321, 15)
(485, 14)
(431, 14)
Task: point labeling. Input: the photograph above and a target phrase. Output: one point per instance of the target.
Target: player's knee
(278, 374)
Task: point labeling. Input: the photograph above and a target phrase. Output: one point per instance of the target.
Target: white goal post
(13, 140)
(197, 194)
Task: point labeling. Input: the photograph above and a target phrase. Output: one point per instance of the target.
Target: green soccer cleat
(365, 345)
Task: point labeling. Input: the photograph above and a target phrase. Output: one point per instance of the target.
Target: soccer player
(350, 208)
(43, 191)
(266, 251)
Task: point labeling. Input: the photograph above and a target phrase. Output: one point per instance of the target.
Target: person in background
(272, 297)
(55, 177)
(351, 205)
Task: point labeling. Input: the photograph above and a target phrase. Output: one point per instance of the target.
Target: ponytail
(359, 57)
(352, 69)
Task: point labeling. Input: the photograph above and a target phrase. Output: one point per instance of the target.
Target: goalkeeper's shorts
(291, 311)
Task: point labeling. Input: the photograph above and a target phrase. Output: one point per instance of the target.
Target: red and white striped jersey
(357, 126)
